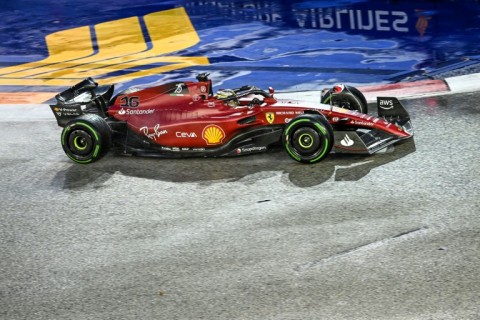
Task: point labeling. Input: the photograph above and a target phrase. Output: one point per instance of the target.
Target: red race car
(187, 119)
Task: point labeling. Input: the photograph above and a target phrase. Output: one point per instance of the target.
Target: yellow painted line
(176, 63)
(169, 30)
(122, 46)
(25, 97)
(114, 38)
(62, 46)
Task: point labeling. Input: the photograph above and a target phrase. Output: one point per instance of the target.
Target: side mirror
(271, 91)
(338, 88)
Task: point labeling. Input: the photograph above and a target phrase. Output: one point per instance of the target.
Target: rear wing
(84, 97)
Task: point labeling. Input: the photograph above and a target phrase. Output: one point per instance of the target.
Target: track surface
(392, 236)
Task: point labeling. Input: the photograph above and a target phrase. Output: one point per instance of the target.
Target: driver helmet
(229, 96)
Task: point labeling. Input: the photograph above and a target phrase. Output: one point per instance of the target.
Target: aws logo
(120, 46)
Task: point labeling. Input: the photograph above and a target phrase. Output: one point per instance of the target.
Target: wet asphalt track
(392, 236)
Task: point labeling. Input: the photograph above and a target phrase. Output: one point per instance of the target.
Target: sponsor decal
(130, 102)
(196, 97)
(362, 123)
(270, 116)
(213, 134)
(211, 104)
(179, 88)
(179, 134)
(178, 149)
(350, 19)
(386, 104)
(335, 119)
(156, 132)
(63, 111)
(203, 89)
(288, 112)
(132, 112)
(287, 120)
(347, 141)
(250, 149)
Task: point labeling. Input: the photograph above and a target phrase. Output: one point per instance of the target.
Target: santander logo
(347, 141)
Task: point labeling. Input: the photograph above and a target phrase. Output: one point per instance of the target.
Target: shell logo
(213, 134)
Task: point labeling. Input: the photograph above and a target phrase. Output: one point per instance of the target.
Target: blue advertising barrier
(290, 45)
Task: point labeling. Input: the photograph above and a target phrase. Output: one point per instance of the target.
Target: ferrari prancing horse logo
(270, 116)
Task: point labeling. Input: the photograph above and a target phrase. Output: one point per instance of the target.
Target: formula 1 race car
(186, 119)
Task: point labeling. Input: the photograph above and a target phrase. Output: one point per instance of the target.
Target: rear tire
(86, 139)
(308, 138)
(351, 98)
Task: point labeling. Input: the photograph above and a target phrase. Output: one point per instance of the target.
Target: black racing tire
(351, 98)
(86, 138)
(308, 138)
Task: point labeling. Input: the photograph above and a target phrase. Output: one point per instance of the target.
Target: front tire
(308, 138)
(350, 98)
(86, 139)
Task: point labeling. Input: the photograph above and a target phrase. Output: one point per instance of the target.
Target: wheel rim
(348, 101)
(80, 143)
(306, 141)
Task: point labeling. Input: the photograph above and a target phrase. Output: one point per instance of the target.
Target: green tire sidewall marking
(79, 161)
(320, 127)
(291, 153)
(97, 139)
(327, 142)
(295, 122)
(97, 148)
(64, 133)
(300, 140)
(91, 129)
